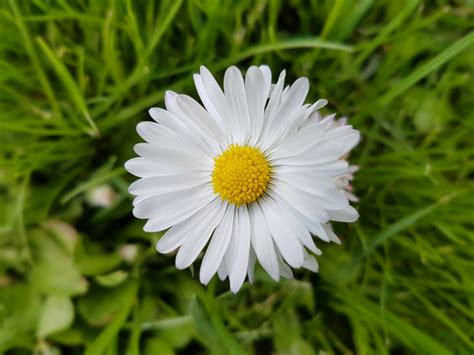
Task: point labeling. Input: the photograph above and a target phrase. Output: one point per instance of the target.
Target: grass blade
(428, 67)
(71, 86)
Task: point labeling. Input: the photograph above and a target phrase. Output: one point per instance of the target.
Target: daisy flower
(247, 176)
(344, 180)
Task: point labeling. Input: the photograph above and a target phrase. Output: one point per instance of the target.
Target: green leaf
(157, 345)
(54, 271)
(178, 332)
(281, 46)
(92, 261)
(64, 75)
(64, 233)
(76, 335)
(113, 279)
(286, 329)
(109, 334)
(414, 338)
(20, 305)
(101, 305)
(57, 315)
(213, 331)
(38, 205)
(423, 70)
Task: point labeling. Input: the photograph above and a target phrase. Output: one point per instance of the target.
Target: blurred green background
(77, 273)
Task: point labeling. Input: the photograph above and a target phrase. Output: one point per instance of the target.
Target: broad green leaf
(178, 332)
(74, 336)
(54, 271)
(113, 279)
(57, 315)
(20, 306)
(92, 261)
(65, 233)
(101, 305)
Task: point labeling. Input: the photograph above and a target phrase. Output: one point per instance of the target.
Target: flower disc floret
(241, 174)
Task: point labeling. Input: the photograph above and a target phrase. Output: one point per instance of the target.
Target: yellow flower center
(241, 174)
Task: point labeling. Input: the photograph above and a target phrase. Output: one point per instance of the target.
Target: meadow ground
(78, 274)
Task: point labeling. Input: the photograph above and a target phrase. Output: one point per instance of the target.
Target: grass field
(79, 276)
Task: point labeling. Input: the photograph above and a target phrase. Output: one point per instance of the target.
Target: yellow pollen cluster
(241, 174)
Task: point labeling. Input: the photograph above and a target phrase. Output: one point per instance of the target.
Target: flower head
(251, 176)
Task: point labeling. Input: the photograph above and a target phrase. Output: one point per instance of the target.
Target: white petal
(237, 255)
(139, 199)
(294, 122)
(160, 135)
(267, 75)
(172, 217)
(222, 271)
(256, 92)
(199, 237)
(328, 169)
(234, 89)
(251, 266)
(279, 122)
(301, 201)
(313, 115)
(320, 232)
(299, 143)
(172, 160)
(332, 236)
(350, 196)
(351, 142)
(285, 270)
(184, 200)
(323, 152)
(214, 92)
(287, 243)
(331, 168)
(200, 120)
(299, 229)
(311, 118)
(142, 167)
(296, 96)
(349, 214)
(170, 120)
(178, 233)
(262, 242)
(345, 136)
(272, 107)
(167, 119)
(168, 183)
(212, 98)
(310, 263)
(217, 247)
(320, 104)
(323, 191)
(171, 102)
(284, 93)
(310, 225)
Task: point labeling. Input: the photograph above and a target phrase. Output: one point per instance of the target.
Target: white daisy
(344, 180)
(249, 175)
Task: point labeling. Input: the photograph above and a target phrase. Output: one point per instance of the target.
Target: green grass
(76, 77)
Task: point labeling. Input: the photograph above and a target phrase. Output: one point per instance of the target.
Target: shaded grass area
(76, 77)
